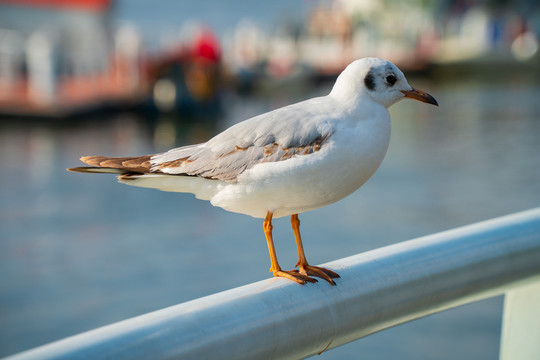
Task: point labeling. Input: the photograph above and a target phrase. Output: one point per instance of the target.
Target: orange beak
(420, 96)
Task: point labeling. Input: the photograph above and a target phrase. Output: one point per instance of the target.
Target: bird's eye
(391, 80)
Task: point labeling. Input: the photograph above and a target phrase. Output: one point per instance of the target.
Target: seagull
(284, 162)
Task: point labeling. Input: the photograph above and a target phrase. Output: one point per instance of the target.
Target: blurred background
(120, 78)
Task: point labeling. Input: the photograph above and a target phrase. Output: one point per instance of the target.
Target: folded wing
(274, 136)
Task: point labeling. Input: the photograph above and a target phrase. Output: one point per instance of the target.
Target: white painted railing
(279, 319)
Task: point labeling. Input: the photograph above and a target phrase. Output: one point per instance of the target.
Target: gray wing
(295, 130)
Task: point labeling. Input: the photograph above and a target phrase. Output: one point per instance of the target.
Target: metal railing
(279, 319)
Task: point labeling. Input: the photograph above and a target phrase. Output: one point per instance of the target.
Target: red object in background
(206, 46)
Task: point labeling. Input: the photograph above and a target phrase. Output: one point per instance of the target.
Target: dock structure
(279, 319)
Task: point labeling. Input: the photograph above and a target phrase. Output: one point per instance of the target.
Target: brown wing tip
(93, 160)
(140, 164)
(96, 170)
(76, 169)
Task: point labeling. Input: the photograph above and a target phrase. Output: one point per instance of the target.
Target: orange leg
(305, 268)
(293, 275)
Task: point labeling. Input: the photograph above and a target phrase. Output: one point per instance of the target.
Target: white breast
(344, 163)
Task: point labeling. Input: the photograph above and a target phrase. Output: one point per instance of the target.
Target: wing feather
(274, 136)
(295, 130)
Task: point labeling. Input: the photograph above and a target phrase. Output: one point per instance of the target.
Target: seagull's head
(379, 79)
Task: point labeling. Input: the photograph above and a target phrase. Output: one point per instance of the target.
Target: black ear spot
(391, 79)
(369, 81)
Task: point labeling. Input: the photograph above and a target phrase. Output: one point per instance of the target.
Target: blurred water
(80, 251)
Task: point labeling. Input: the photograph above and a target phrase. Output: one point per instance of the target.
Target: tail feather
(115, 165)
(136, 171)
(202, 188)
(97, 170)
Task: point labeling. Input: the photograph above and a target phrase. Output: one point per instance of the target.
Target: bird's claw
(318, 271)
(295, 276)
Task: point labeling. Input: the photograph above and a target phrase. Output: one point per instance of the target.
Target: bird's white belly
(307, 182)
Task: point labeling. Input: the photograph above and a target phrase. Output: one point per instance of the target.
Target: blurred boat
(57, 59)
(64, 59)
(417, 36)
